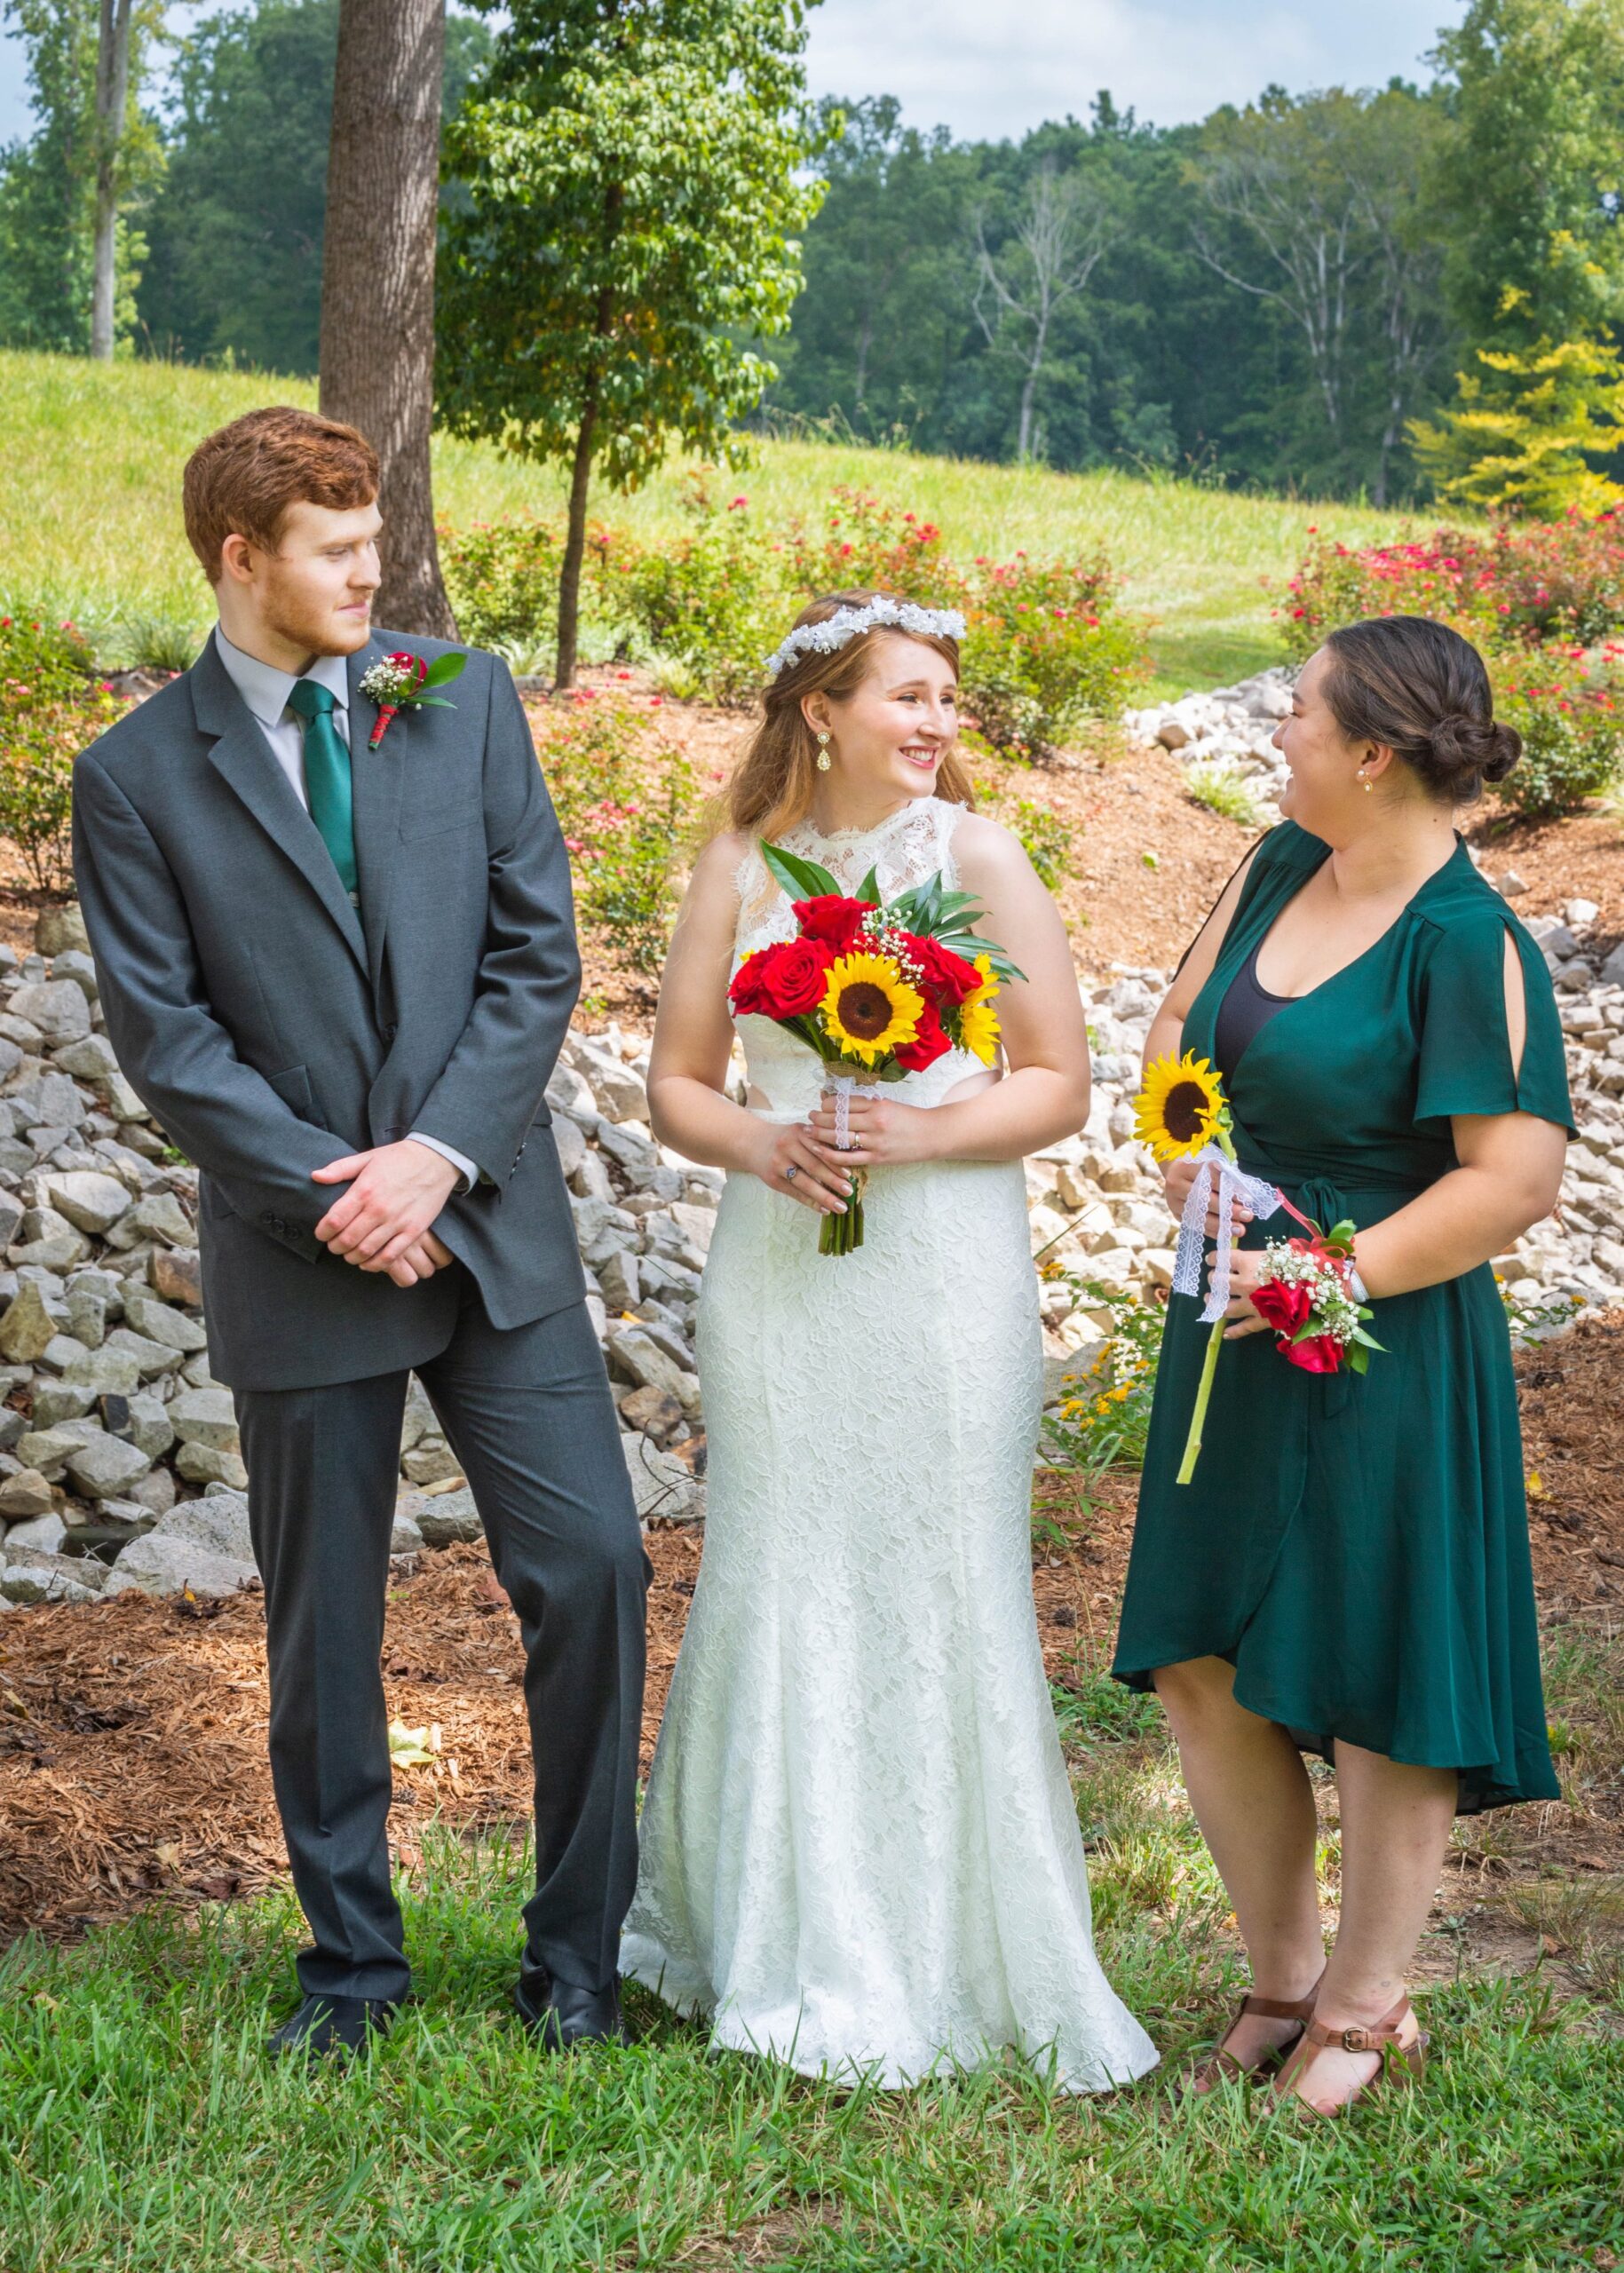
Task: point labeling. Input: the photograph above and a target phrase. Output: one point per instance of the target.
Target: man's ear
(237, 560)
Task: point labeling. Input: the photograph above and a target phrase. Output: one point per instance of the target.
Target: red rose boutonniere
(403, 682)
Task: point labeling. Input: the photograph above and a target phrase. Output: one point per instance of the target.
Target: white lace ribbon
(1235, 1188)
(846, 1086)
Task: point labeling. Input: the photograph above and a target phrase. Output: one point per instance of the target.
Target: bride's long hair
(771, 786)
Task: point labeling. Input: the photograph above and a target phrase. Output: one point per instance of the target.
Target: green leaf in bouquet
(1359, 1361)
(1367, 1340)
(800, 879)
(433, 703)
(869, 888)
(443, 670)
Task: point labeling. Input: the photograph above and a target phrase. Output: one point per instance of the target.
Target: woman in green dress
(1349, 1571)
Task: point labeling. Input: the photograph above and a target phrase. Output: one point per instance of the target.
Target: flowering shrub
(1045, 650)
(1534, 581)
(41, 661)
(627, 806)
(1104, 1419)
(502, 578)
(1562, 702)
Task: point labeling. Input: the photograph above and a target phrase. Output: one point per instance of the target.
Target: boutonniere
(402, 682)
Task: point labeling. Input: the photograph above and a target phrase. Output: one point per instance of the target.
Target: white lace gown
(860, 1848)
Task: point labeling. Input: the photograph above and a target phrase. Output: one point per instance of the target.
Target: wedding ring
(790, 1174)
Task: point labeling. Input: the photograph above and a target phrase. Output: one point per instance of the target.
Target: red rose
(782, 982)
(947, 977)
(833, 920)
(1287, 1308)
(928, 1042)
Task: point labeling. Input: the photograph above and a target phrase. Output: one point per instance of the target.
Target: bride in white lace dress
(860, 1848)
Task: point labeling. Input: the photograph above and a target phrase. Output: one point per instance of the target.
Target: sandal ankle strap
(1362, 2039)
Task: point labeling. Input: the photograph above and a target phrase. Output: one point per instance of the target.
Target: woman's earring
(824, 759)
(1365, 779)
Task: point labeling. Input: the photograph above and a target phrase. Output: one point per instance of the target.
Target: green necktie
(327, 776)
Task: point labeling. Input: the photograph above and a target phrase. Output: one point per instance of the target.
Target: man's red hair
(241, 481)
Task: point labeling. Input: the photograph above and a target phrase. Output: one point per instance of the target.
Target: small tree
(632, 178)
(1519, 437)
(113, 30)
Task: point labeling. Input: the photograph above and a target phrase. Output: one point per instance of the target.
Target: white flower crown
(846, 623)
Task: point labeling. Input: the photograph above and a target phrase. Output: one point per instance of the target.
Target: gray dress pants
(528, 1415)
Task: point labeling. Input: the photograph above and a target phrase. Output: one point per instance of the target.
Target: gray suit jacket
(271, 1029)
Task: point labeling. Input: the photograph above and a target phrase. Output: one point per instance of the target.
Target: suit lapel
(377, 780)
(246, 762)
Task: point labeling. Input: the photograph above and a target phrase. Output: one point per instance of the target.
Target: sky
(970, 64)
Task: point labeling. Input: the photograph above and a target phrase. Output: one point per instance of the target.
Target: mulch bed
(132, 1733)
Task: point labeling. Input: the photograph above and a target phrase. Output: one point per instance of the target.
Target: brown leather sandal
(1401, 2063)
(1223, 2067)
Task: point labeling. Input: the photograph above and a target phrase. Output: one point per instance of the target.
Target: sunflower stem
(1203, 1392)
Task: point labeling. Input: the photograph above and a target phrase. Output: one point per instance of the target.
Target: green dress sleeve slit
(1356, 1546)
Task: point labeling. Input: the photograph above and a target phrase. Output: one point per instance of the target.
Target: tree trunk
(112, 100)
(575, 543)
(377, 281)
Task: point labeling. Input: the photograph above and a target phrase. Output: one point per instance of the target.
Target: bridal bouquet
(1307, 1294)
(877, 989)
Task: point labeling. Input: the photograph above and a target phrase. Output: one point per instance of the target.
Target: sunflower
(979, 1027)
(869, 1008)
(1181, 1107)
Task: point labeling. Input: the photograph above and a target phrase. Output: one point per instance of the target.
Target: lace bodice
(906, 849)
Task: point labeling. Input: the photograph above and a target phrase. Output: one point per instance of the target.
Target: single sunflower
(1181, 1107)
(869, 1008)
(979, 1027)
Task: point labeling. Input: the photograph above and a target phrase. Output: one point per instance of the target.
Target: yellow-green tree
(1522, 434)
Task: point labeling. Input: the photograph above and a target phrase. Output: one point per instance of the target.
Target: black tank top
(1246, 1008)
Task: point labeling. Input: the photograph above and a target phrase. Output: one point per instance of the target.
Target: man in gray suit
(339, 976)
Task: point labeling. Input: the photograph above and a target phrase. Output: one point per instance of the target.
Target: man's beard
(316, 632)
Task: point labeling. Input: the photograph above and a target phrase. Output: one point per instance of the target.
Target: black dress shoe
(560, 2017)
(324, 2026)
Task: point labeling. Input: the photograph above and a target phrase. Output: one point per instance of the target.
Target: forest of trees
(1283, 296)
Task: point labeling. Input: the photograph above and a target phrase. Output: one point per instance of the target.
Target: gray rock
(48, 1240)
(145, 1420)
(48, 1101)
(620, 1093)
(406, 1538)
(90, 1202)
(1613, 970)
(618, 1278)
(105, 1469)
(430, 1461)
(60, 1352)
(569, 1142)
(418, 1420)
(55, 1401)
(112, 1522)
(57, 1007)
(447, 1517)
(569, 1093)
(32, 1577)
(28, 1328)
(48, 1449)
(196, 1373)
(205, 1464)
(145, 1314)
(219, 1522)
(205, 1416)
(156, 1491)
(635, 1355)
(75, 964)
(651, 1412)
(46, 1532)
(177, 1275)
(159, 1215)
(159, 1564)
(105, 1371)
(152, 1358)
(660, 1485)
(61, 930)
(90, 1059)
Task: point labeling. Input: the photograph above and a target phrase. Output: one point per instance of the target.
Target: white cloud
(998, 70)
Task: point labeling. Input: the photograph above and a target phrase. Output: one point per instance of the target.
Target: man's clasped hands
(381, 1222)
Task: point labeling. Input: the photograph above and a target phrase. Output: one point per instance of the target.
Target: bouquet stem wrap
(1235, 1187)
(839, 1234)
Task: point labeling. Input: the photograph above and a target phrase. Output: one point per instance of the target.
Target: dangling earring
(1365, 779)
(824, 760)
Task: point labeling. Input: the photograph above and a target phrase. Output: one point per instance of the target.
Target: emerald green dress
(1356, 1546)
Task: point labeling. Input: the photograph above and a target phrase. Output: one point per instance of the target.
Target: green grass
(145, 2134)
(89, 516)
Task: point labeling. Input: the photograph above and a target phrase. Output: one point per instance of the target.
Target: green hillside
(89, 521)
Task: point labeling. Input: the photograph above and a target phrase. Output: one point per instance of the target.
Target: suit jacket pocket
(292, 1086)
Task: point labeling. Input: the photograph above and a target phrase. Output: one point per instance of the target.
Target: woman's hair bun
(1416, 685)
(1462, 746)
